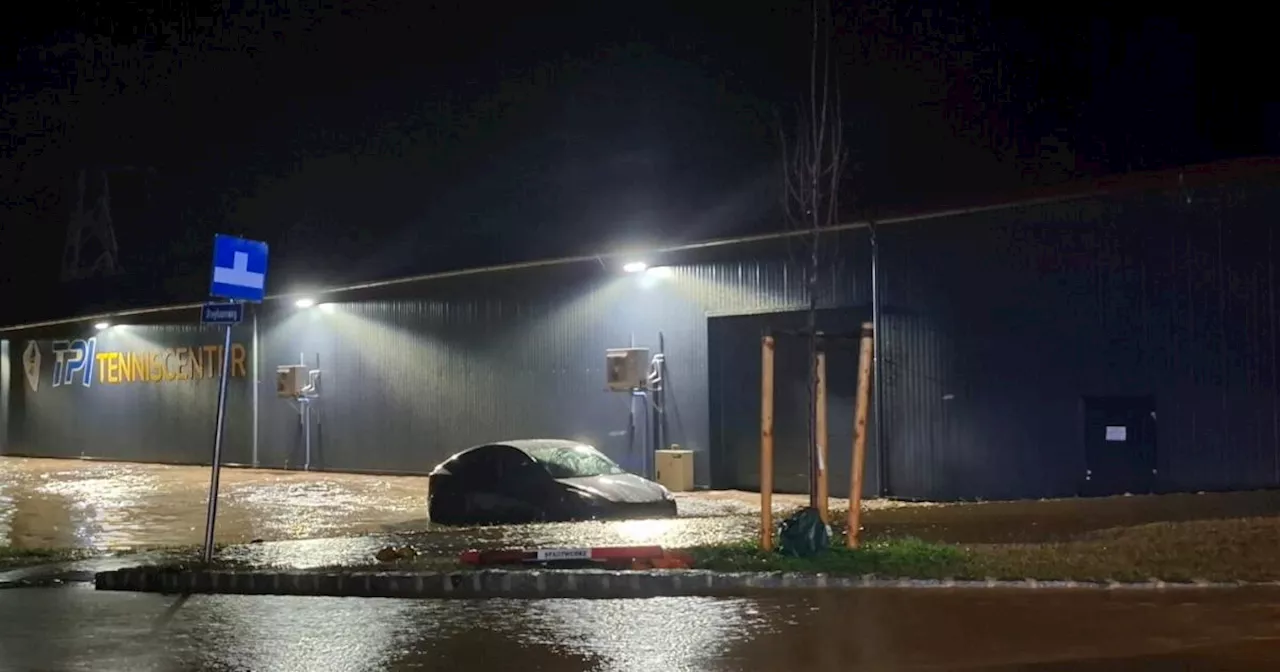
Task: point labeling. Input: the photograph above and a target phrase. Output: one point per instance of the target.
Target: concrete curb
(75, 571)
(588, 584)
(49, 581)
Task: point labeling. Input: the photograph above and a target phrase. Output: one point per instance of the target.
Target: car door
(473, 484)
(522, 484)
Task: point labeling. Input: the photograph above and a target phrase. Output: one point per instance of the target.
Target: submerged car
(538, 480)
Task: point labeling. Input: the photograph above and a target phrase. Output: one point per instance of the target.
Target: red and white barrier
(606, 554)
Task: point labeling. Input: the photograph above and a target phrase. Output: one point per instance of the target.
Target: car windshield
(577, 461)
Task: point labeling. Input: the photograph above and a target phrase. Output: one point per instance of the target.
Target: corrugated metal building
(1120, 337)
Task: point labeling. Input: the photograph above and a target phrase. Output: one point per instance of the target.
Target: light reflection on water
(644, 635)
(108, 506)
(644, 531)
(79, 629)
(293, 634)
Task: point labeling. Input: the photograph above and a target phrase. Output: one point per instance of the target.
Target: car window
(475, 463)
(492, 463)
(510, 462)
(574, 461)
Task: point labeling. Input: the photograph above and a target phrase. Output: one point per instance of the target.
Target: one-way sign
(222, 313)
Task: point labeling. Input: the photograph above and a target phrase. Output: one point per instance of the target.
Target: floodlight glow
(327, 307)
(304, 303)
(101, 325)
(634, 266)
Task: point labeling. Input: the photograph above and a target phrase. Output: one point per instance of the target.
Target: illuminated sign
(170, 364)
(80, 360)
(72, 357)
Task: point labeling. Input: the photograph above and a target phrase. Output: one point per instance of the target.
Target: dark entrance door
(1120, 445)
(733, 345)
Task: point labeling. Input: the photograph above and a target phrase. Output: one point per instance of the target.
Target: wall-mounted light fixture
(634, 267)
(101, 325)
(305, 302)
(655, 275)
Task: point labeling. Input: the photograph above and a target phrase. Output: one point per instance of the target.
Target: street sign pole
(212, 512)
(239, 275)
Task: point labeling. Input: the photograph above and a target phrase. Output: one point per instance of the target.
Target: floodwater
(72, 629)
(113, 505)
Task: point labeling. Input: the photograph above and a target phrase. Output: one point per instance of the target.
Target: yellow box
(675, 469)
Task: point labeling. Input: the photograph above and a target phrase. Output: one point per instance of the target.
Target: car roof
(525, 445)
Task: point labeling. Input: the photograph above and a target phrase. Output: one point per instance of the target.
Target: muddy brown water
(106, 505)
(72, 629)
(112, 505)
(115, 505)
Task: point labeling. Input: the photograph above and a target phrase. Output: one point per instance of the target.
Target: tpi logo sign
(72, 357)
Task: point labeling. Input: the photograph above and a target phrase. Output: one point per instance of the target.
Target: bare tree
(813, 160)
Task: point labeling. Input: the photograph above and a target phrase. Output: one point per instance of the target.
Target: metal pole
(256, 382)
(812, 355)
(631, 428)
(316, 392)
(823, 489)
(656, 399)
(664, 438)
(877, 379)
(306, 432)
(648, 433)
(217, 448)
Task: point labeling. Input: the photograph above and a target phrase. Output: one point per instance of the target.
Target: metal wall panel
(408, 381)
(161, 413)
(995, 325)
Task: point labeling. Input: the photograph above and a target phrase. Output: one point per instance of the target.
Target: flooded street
(71, 629)
(311, 519)
(111, 505)
(320, 519)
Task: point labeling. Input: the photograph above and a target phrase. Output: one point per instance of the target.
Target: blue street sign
(222, 313)
(239, 269)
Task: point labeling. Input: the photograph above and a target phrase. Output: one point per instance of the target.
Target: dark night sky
(372, 139)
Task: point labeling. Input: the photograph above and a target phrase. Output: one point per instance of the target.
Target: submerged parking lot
(113, 505)
(50, 503)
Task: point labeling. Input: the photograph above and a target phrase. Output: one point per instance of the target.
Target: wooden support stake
(766, 443)
(820, 424)
(860, 434)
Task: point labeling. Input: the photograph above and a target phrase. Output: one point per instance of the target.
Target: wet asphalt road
(76, 628)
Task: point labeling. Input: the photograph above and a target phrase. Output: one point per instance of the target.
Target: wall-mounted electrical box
(626, 368)
(290, 380)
